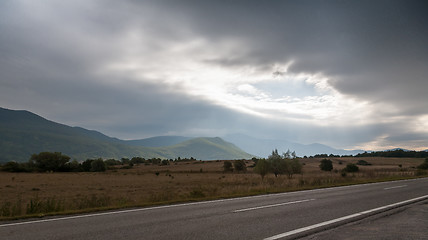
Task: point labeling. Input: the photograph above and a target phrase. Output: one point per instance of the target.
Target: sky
(348, 74)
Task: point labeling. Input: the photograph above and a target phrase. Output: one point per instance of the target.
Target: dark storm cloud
(373, 50)
(53, 58)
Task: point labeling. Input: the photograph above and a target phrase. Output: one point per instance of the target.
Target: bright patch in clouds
(244, 88)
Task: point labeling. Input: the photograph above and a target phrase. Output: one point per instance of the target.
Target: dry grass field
(38, 194)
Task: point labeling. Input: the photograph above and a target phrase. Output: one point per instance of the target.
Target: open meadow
(39, 194)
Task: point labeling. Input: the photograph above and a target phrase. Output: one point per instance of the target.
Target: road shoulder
(407, 222)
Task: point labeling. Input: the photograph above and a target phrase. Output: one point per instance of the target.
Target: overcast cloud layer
(350, 74)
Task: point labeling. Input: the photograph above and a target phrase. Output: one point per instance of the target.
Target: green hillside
(160, 141)
(208, 149)
(23, 133)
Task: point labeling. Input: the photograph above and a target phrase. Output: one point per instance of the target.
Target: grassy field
(40, 194)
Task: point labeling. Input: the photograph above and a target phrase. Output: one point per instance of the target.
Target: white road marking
(273, 205)
(395, 187)
(300, 230)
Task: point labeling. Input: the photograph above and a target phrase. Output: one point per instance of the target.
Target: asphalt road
(260, 217)
(404, 223)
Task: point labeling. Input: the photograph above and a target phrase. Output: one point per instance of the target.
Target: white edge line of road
(304, 229)
(192, 203)
(273, 205)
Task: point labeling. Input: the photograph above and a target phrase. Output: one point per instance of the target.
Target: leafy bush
(86, 165)
(296, 167)
(48, 161)
(15, 167)
(326, 165)
(196, 193)
(164, 162)
(239, 166)
(424, 165)
(363, 163)
(262, 167)
(351, 168)
(283, 165)
(227, 166)
(98, 166)
(112, 162)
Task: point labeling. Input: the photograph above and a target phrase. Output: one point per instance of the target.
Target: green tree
(276, 163)
(284, 164)
(112, 162)
(326, 165)
(293, 154)
(295, 166)
(74, 166)
(48, 161)
(125, 161)
(262, 167)
(98, 165)
(87, 165)
(14, 167)
(287, 154)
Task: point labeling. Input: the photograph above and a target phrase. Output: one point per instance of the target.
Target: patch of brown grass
(29, 194)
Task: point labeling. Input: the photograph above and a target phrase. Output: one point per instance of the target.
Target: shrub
(112, 162)
(48, 161)
(420, 172)
(164, 162)
(15, 167)
(239, 166)
(196, 193)
(98, 166)
(74, 166)
(296, 167)
(326, 165)
(363, 163)
(424, 165)
(227, 166)
(262, 167)
(351, 168)
(283, 165)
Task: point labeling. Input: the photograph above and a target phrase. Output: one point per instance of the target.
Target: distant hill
(161, 141)
(208, 148)
(23, 133)
(264, 147)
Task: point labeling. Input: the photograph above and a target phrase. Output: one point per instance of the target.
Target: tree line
(58, 162)
(398, 153)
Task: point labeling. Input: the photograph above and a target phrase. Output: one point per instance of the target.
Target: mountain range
(23, 133)
(264, 147)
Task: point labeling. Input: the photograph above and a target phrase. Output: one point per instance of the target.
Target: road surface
(275, 216)
(404, 223)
